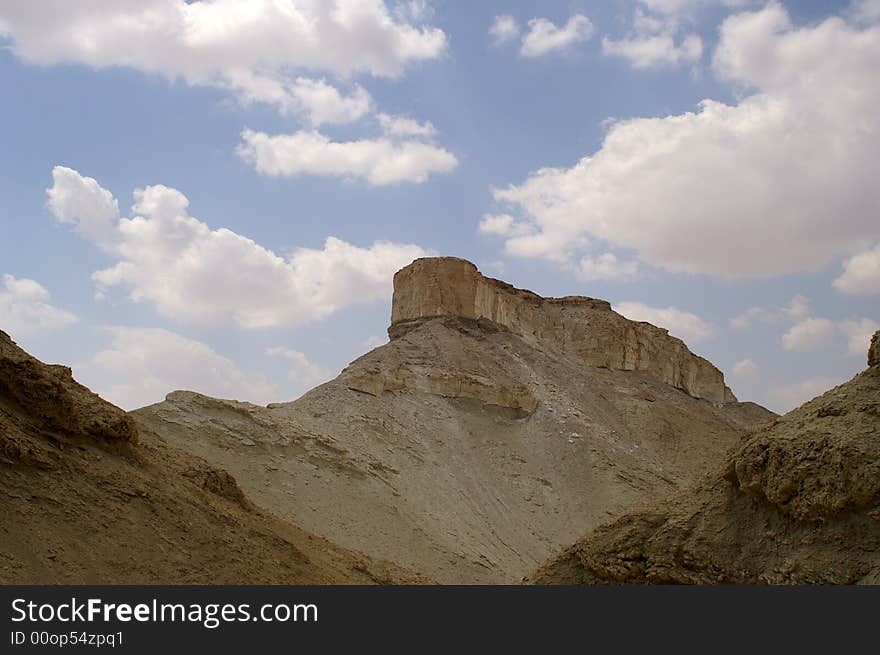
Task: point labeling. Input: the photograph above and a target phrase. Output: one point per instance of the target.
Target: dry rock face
(85, 499)
(583, 327)
(473, 445)
(798, 502)
(49, 399)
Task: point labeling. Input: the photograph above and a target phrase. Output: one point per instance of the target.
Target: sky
(214, 195)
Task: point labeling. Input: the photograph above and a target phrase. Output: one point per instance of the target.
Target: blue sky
(172, 172)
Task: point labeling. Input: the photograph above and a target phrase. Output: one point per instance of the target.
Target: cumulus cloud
(403, 126)
(141, 365)
(655, 50)
(607, 267)
(249, 48)
(688, 327)
(798, 308)
(503, 29)
(544, 36)
(814, 334)
(303, 373)
(322, 103)
(780, 182)
(195, 274)
(25, 308)
(865, 11)
(80, 201)
(679, 7)
(503, 225)
(789, 396)
(379, 162)
(745, 368)
(809, 335)
(858, 334)
(861, 273)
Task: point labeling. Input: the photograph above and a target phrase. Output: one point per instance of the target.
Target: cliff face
(584, 327)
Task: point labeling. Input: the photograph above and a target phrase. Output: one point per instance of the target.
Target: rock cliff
(583, 327)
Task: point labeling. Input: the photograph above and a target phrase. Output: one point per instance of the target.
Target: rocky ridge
(88, 498)
(797, 502)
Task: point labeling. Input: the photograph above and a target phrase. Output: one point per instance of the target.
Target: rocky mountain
(493, 429)
(87, 498)
(797, 502)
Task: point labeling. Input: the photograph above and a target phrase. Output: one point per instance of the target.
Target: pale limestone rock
(585, 327)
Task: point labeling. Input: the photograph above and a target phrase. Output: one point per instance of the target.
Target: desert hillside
(798, 502)
(495, 428)
(87, 498)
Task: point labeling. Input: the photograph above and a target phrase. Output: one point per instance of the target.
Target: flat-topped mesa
(589, 328)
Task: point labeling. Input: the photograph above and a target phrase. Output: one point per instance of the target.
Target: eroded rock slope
(488, 433)
(798, 502)
(87, 498)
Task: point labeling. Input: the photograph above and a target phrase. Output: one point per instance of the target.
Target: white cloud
(142, 365)
(322, 103)
(380, 161)
(25, 308)
(858, 333)
(304, 373)
(865, 11)
(809, 335)
(194, 274)
(403, 126)
(654, 51)
(781, 182)
(861, 274)
(503, 29)
(502, 225)
(545, 37)
(247, 47)
(745, 368)
(797, 308)
(81, 201)
(813, 334)
(688, 327)
(678, 7)
(607, 267)
(414, 10)
(790, 396)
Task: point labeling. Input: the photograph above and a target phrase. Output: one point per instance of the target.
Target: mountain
(797, 502)
(87, 498)
(493, 429)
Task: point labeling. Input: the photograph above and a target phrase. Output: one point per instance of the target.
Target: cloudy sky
(214, 195)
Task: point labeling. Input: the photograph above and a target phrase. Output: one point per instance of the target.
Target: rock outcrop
(798, 502)
(465, 449)
(583, 327)
(48, 399)
(86, 498)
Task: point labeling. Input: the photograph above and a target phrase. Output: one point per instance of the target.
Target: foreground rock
(798, 502)
(476, 443)
(86, 499)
